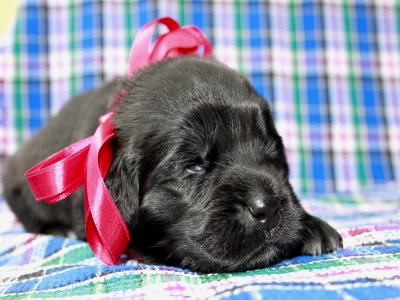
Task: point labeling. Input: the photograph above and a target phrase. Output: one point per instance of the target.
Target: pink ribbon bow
(61, 174)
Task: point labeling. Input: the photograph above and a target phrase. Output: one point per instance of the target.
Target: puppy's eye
(194, 168)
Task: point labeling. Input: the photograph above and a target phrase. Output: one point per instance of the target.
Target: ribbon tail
(106, 231)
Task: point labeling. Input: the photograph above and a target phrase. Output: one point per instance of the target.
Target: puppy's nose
(266, 212)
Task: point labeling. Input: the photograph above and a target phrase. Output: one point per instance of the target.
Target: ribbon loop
(87, 161)
(178, 41)
(59, 175)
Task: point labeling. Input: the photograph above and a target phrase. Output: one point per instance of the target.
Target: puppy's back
(77, 120)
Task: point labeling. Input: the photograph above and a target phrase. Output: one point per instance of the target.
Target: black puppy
(199, 172)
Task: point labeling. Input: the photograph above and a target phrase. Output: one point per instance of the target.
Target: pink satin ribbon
(87, 161)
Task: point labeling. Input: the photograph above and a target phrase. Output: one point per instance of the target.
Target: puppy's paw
(320, 237)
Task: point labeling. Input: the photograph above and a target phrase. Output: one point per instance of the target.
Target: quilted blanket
(39, 266)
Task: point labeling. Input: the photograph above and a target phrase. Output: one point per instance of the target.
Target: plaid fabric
(41, 266)
(329, 69)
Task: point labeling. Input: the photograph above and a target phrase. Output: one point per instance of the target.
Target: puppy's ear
(123, 183)
(273, 133)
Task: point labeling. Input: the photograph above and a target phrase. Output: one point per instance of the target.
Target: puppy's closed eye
(194, 168)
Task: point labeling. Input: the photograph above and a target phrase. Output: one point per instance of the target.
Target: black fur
(199, 171)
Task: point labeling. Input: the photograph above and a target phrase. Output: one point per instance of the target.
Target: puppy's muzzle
(265, 212)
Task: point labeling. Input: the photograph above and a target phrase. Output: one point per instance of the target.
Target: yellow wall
(8, 11)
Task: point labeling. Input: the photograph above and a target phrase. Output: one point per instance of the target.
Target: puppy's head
(199, 173)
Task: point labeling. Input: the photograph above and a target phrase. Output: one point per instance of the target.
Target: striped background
(329, 69)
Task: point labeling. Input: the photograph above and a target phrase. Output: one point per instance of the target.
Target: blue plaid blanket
(368, 267)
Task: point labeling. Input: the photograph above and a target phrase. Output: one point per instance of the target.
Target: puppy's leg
(15, 198)
(37, 217)
(319, 237)
(78, 213)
